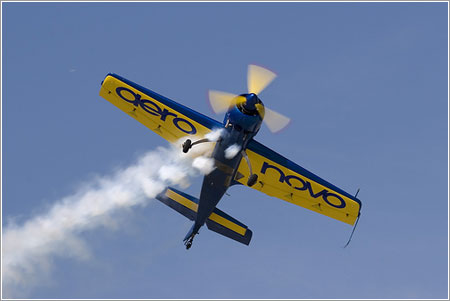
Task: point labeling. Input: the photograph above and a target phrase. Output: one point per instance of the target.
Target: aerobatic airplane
(255, 165)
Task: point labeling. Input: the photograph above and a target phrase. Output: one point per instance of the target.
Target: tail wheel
(188, 245)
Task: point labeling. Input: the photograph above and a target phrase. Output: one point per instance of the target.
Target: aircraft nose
(252, 100)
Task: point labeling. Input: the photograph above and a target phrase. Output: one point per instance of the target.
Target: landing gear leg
(253, 177)
(188, 144)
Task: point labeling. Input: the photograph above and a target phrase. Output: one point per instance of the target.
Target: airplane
(253, 165)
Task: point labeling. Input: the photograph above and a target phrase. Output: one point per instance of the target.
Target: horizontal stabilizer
(218, 221)
(179, 201)
(222, 223)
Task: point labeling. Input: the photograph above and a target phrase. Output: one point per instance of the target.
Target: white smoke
(215, 135)
(204, 164)
(28, 249)
(232, 151)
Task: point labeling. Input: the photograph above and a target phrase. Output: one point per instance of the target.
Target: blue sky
(366, 87)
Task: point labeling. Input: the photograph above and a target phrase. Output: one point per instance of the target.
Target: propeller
(222, 101)
(274, 120)
(258, 78)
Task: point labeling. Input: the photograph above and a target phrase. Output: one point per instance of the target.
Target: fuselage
(240, 125)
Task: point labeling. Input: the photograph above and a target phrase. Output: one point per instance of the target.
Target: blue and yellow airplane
(253, 165)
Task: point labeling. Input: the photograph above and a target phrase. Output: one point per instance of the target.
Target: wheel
(188, 245)
(187, 145)
(252, 180)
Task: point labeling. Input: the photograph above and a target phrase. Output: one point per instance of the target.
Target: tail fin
(218, 221)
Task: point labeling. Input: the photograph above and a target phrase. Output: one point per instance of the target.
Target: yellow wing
(283, 179)
(165, 117)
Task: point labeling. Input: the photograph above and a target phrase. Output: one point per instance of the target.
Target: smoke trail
(232, 151)
(29, 248)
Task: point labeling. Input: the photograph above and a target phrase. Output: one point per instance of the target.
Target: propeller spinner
(258, 78)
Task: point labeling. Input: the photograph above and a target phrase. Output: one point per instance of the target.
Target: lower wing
(165, 117)
(283, 179)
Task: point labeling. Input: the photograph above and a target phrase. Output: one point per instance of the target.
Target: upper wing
(165, 117)
(282, 178)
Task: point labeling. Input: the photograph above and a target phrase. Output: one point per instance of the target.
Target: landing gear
(188, 243)
(253, 177)
(190, 236)
(186, 146)
(252, 180)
